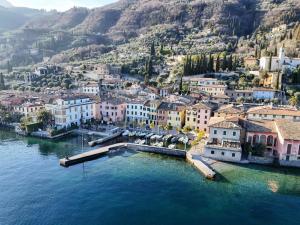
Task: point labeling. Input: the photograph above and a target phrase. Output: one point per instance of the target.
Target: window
(234, 133)
(212, 152)
(233, 154)
(215, 131)
(299, 150)
(224, 133)
(223, 153)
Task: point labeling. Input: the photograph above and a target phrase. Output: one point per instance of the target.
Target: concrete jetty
(94, 154)
(200, 165)
(90, 155)
(105, 139)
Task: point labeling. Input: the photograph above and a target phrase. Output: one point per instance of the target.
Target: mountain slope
(190, 26)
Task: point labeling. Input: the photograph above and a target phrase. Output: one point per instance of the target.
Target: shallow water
(136, 188)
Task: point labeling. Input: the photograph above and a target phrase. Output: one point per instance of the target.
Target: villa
(225, 138)
(71, 110)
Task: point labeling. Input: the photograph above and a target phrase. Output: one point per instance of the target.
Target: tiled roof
(229, 109)
(268, 110)
(199, 106)
(260, 126)
(289, 130)
(227, 123)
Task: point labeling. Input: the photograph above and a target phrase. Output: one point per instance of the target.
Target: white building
(278, 63)
(92, 88)
(224, 140)
(71, 110)
(137, 112)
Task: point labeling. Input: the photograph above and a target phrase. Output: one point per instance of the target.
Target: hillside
(186, 26)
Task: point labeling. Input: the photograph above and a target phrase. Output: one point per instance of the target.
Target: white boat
(137, 141)
(142, 142)
(126, 133)
(172, 146)
(132, 134)
(153, 137)
(160, 144)
(149, 135)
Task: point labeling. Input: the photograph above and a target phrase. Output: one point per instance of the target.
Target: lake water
(136, 189)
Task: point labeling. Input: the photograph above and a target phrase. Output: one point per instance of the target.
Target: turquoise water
(136, 189)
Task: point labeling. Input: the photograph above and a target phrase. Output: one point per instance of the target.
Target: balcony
(225, 144)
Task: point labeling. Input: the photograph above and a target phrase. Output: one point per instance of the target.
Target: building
(235, 94)
(281, 138)
(71, 110)
(278, 63)
(171, 113)
(264, 132)
(200, 81)
(273, 113)
(288, 143)
(225, 138)
(29, 109)
(92, 88)
(220, 99)
(267, 94)
(212, 90)
(106, 69)
(229, 111)
(198, 116)
(136, 112)
(250, 62)
(112, 110)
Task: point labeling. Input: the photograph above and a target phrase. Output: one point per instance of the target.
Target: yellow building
(175, 113)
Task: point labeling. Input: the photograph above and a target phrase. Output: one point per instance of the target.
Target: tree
(224, 62)
(270, 62)
(218, 64)
(2, 83)
(152, 125)
(297, 95)
(256, 82)
(152, 49)
(149, 70)
(293, 101)
(45, 117)
(229, 63)
(9, 67)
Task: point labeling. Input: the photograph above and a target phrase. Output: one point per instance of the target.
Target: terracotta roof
(221, 96)
(262, 126)
(227, 123)
(268, 110)
(199, 106)
(229, 109)
(288, 130)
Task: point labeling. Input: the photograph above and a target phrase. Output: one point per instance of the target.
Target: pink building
(281, 137)
(111, 110)
(288, 142)
(197, 116)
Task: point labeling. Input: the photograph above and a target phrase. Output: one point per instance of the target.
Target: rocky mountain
(213, 24)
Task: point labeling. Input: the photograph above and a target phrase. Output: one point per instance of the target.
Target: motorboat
(126, 133)
(172, 146)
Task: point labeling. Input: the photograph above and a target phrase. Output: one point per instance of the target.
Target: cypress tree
(270, 62)
(204, 64)
(211, 63)
(218, 64)
(224, 62)
(152, 49)
(149, 71)
(2, 84)
(229, 63)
